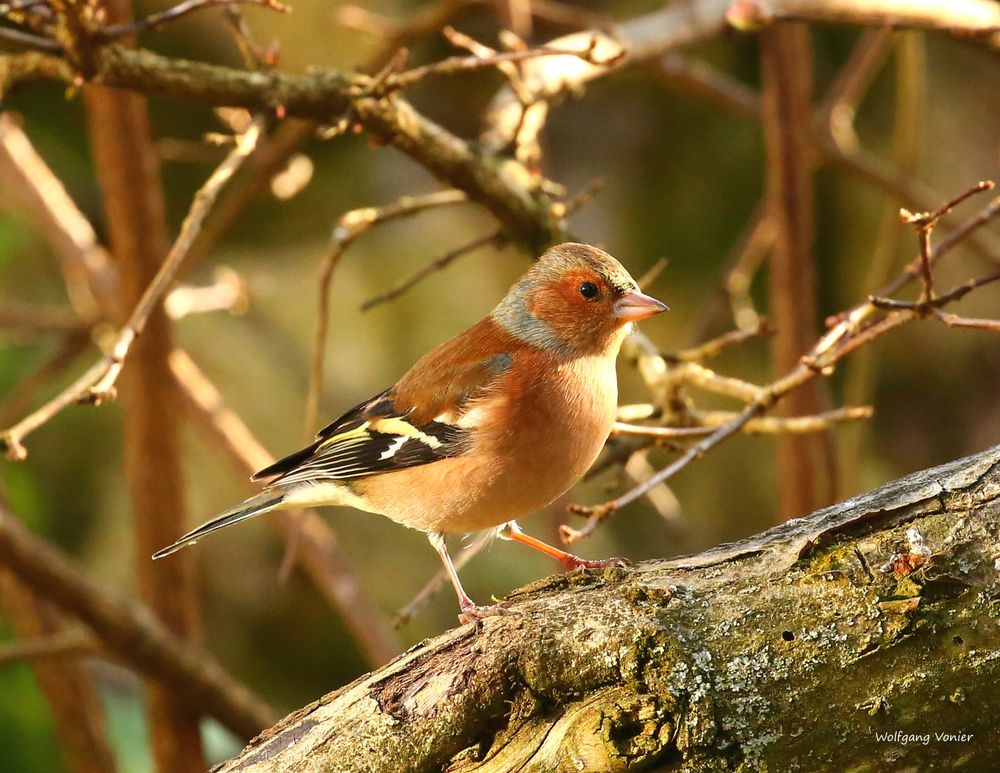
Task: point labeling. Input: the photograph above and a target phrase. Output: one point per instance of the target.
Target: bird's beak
(636, 306)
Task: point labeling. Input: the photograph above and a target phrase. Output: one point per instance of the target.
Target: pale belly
(552, 436)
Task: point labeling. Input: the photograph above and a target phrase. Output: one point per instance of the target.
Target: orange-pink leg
(470, 610)
(511, 531)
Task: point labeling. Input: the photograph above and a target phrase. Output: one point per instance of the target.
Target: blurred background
(683, 177)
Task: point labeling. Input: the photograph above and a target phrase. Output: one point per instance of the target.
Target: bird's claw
(581, 564)
(473, 613)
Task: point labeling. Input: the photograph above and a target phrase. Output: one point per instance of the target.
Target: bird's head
(576, 299)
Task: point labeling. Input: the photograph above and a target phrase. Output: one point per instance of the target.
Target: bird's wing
(412, 423)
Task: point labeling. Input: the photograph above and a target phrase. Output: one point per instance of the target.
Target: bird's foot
(473, 613)
(575, 563)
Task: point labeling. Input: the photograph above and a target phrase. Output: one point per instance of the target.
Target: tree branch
(509, 190)
(97, 383)
(68, 685)
(731, 657)
(319, 553)
(131, 631)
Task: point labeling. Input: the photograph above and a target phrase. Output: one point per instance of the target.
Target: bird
(492, 425)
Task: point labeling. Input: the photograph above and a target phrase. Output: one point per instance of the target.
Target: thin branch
(38, 318)
(927, 306)
(325, 95)
(712, 347)
(839, 107)
(22, 395)
(596, 515)
(320, 555)
(745, 260)
(28, 40)
(700, 80)
(953, 320)
(132, 632)
(97, 383)
(349, 227)
(765, 425)
(67, 643)
(153, 21)
(651, 36)
(957, 17)
(86, 266)
(459, 64)
(496, 238)
(694, 374)
(846, 333)
(579, 200)
(440, 579)
(705, 82)
(908, 139)
(661, 497)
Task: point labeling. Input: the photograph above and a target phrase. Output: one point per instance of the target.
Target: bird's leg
(511, 531)
(470, 610)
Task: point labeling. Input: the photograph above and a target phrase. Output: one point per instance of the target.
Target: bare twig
(36, 318)
(579, 200)
(458, 64)
(840, 104)
(153, 21)
(765, 425)
(320, 554)
(712, 347)
(440, 579)
(704, 82)
(707, 83)
(349, 227)
(694, 374)
(847, 321)
(910, 111)
(496, 237)
(23, 395)
(86, 265)
(953, 320)
(227, 292)
(745, 260)
(97, 383)
(67, 643)
(846, 333)
(596, 515)
(28, 40)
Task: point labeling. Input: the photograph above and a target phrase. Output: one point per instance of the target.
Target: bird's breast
(534, 436)
(542, 437)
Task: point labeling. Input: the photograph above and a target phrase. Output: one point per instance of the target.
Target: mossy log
(839, 641)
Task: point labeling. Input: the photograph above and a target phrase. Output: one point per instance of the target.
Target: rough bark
(789, 650)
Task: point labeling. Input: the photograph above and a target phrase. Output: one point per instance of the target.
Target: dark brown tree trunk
(128, 172)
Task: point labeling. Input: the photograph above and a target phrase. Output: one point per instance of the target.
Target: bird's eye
(588, 290)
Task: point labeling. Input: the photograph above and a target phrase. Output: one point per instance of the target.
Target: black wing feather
(371, 438)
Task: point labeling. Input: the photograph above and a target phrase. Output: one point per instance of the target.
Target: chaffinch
(489, 426)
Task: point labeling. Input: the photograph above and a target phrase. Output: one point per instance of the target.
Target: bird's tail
(261, 503)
